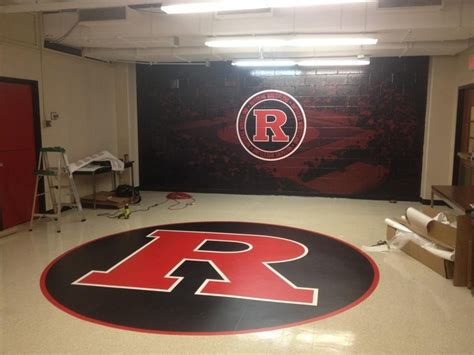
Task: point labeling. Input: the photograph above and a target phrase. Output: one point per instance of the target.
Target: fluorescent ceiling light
(233, 5)
(273, 72)
(333, 62)
(295, 41)
(314, 62)
(264, 63)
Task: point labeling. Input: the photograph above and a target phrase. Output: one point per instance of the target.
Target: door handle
(1, 164)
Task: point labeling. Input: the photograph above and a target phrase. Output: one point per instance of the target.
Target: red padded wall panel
(17, 153)
(18, 181)
(16, 117)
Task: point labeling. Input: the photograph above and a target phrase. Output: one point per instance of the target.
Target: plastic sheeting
(404, 235)
(115, 164)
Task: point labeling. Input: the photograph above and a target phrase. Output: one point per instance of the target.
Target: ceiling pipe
(384, 23)
(70, 5)
(202, 53)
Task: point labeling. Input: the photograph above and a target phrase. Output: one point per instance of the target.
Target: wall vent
(63, 48)
(148, 8)
(103, 14)
(388, 4)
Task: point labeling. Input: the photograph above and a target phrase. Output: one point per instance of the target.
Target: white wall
(447, 75)
(126, 108)
(85, 93)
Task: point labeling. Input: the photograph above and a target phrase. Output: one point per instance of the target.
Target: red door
(17, 153)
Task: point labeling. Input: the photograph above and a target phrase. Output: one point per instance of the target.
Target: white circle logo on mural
(271, 125)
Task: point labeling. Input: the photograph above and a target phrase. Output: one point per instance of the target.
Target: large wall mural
(363, 129)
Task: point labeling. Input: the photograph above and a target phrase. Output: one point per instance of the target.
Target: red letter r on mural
(262, 125)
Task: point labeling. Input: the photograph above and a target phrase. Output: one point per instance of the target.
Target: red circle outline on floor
(176, 228)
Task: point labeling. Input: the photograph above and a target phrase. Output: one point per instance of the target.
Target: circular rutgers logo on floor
(209, 278)
(271, 125)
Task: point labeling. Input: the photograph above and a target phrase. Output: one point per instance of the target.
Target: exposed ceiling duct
(103, 14)
(388, 4)
(153, 55)
(139, 30)
(18, 6)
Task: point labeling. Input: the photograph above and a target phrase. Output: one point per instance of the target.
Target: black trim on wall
(457, 141)
(459, 123)
(427, 202)
(36, 125)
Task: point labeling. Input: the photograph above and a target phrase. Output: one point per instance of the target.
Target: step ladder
(53, 178)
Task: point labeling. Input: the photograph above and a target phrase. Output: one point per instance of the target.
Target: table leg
(114, 180)
(94, 189)
(432, 199)
(133, 184)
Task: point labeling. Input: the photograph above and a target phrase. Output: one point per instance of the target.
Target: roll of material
(402, 238)
(418, 219)
(396, 225)
(442, 253)
(404, 234)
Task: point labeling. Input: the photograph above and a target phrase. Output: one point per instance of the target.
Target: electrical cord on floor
(119, 213)
(189, 201)
(183, 206)
(146, 209)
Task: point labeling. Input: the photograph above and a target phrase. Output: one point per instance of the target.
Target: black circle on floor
(209, 278)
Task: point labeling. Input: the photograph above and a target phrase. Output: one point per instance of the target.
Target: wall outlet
(54, 116)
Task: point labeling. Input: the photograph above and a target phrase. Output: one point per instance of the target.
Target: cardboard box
(439, 233)
(459, 239)
(442, 267)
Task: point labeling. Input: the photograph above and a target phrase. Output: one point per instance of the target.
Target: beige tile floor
(413, 310)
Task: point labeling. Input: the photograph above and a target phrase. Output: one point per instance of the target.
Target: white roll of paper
(396, 225)
(442, 253)
(418, 219)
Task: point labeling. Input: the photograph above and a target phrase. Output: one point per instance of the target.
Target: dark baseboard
(435, 202)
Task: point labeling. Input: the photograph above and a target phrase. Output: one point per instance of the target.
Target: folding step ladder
(52, 177)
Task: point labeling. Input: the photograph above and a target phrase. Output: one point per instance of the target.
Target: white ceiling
(157, 37)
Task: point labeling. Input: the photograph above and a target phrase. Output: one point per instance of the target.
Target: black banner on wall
(363, 129)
